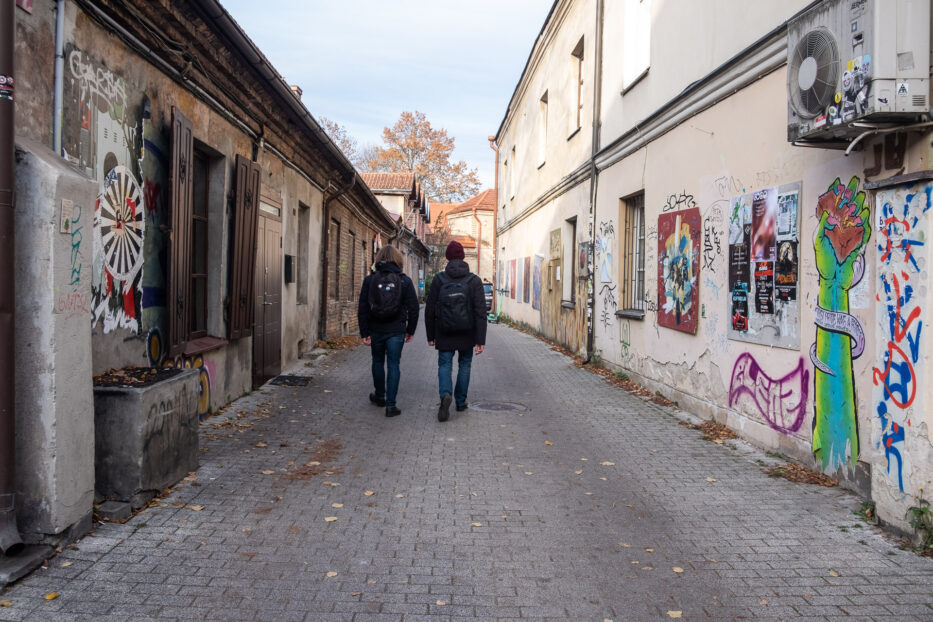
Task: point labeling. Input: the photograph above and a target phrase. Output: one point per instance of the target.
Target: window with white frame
(636, 50)
(513, 175)
(569, 269)
(542, 129)
(576, 86)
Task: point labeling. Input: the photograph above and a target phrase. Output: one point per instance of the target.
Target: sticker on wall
(679, 242)
(769, 221)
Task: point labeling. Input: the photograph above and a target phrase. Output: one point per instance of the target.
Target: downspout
(594, 180)
(479, 241)
(495, 226)
(325, 230)
(58, 92)
(10, 541)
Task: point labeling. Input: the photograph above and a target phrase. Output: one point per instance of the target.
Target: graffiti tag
(678, 201)
(782, 402)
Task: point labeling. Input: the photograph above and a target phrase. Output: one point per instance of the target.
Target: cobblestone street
(581, 503)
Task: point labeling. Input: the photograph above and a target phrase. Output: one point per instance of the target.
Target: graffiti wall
(102, 136)
(764, 267)
(843, 230)
(897, 395)
(679, 243)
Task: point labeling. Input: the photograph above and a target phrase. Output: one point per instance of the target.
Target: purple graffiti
(782, 402)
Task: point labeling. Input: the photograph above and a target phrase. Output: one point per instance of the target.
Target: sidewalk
(581, 502)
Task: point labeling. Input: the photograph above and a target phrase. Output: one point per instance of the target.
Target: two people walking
(455, 322)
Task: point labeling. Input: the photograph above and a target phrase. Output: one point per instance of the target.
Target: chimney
(296, 90)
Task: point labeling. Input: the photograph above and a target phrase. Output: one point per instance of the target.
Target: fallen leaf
(580, 472)
(196, 508)
(66, 564)
(711, 479)
(260, 444)
(6, 603)
(584, 459)
(399, 496)
(718, 441)
(327, 391)
(314, 463)
(674, 614)
(649, 550)
(677, 569)
(293, 529)
(441, 603)
(336, 505)
(368, 493)
(548, 443)
(607, 463)
(833, 573)
(647, 568)
(762, 602)
(267, 472)
(331, 574)
(604, 479)
(625, 545)
(330, 519)
(355, 593)
(477, 524)
(51, 596)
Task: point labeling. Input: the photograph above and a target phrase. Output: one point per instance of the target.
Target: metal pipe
(495, 225)
(10, 541)
(58, 92)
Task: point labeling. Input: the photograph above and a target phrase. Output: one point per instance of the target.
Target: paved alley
(582, 502)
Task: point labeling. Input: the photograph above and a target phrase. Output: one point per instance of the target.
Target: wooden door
(267, 329)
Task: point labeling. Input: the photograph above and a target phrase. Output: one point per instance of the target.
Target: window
(569, 269)
(576, 85)
(333, 257)
(636, 50)
(542, 130)
(352, 247)
(632, 255)
(197, 279)
(506, 179)
(304, 235)
(513, 175)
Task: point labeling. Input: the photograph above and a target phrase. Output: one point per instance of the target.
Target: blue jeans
(445, 368)
(387, 347)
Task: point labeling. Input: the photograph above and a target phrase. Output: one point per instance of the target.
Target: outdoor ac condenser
(857, 63)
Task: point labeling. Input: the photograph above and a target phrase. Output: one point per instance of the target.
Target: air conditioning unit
(853, 64)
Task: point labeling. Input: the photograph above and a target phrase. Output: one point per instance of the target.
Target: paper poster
(536, 283)
(764, 267)
(526, 291)
(512, 280)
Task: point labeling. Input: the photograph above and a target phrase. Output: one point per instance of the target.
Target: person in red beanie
(455, 319)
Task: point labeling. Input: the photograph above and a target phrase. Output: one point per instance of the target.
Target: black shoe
(461, 407)
(443, 413)
(375, 400)
(393, 412)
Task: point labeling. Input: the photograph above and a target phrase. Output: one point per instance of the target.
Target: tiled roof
(485, 200)
(439, 210)
(466, 241)
(401, 182)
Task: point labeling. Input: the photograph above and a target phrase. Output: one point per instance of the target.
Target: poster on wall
(536, 282)
(520, 283)
(512, 280)
(527, 282)
(764, 266)
(679, 242)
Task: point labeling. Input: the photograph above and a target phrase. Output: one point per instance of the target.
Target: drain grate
(291, 381)
(499, 407)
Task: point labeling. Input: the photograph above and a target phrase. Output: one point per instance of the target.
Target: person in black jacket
(456, 292)
(387, 321)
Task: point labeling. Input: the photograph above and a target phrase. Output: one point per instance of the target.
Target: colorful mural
(902, 261)
(155, 351)
(679, 243)
(841, 235)
(536, 282)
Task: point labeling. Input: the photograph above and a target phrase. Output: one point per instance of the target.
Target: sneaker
(375, 400)
(443, 413)
(393, 412)
(461, 407)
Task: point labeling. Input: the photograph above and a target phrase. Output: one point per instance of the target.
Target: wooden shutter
(248, 176)
(179, 253)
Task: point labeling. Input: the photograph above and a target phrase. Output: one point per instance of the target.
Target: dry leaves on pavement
(800, 473)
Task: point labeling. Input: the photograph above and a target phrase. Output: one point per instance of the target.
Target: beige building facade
(679, 236)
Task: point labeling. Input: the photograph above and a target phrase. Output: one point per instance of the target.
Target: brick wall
(349, 256)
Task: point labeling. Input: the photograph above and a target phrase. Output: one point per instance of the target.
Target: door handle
(267, 303)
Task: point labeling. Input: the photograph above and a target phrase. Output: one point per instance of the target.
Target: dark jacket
(457, 269)
(407, 319)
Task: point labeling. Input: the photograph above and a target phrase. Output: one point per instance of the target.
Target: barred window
(633, 254)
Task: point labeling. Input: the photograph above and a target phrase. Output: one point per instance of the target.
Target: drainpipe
(594, 178)
(495, 227)
(479, 241)
(10, 542)
(58, 92)
(325, 231)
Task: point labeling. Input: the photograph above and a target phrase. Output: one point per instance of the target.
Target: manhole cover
(497, 406)
(291, 381)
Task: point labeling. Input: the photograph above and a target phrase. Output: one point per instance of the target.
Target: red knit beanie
(454, 250)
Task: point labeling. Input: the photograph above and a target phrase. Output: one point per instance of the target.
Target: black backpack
(385, 295)
(454, 304)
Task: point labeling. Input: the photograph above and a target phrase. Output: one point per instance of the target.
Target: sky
(362, 63)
